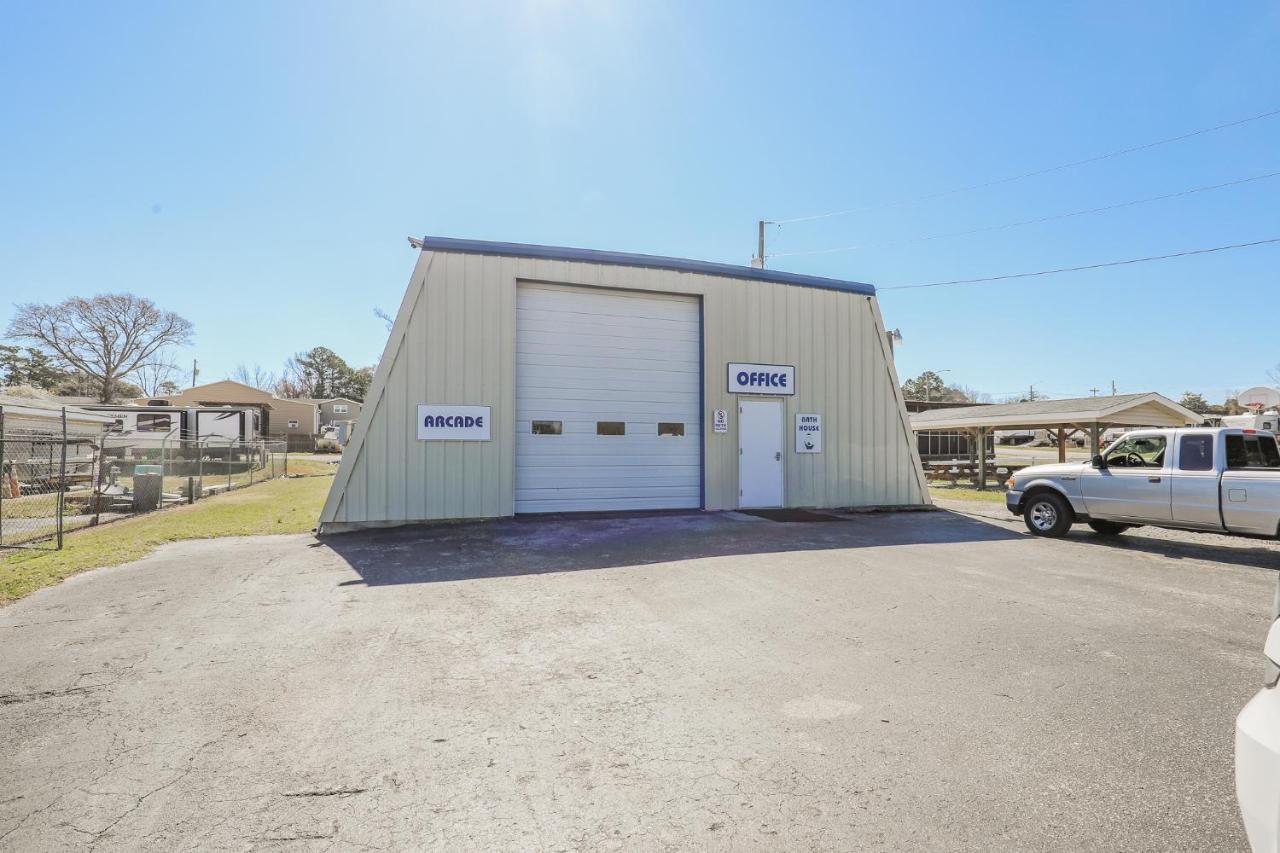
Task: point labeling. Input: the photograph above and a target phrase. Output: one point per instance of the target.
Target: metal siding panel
(845, 355)
(856, 355)
(472, 346)
(415, 455)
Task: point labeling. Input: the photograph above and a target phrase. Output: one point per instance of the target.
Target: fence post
(226, 460)
(249, 464)
(4, 474)
(95, 472)
(62, 476)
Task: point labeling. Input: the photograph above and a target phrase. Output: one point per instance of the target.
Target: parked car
(1223, 480)
(1258, 756)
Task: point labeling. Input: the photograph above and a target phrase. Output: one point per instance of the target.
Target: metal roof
(31, 408)
(628, 259)
(1076, 410)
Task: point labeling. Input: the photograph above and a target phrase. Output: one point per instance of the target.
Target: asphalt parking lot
(915, 681)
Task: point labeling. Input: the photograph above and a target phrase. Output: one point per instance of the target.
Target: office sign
(808, 433)
(771, 379)
(720, 421)
(453, 423)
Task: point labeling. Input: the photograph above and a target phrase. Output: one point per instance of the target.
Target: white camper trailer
(208, 430)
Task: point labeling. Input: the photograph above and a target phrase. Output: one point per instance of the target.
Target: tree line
(121, 346)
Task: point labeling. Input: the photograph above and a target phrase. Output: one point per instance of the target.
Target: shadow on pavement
(1232, 552)
(516, 546)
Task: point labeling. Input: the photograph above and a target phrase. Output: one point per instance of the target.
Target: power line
(1022, 222)
(1085, 267)
(1011, 178)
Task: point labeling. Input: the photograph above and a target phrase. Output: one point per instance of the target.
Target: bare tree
(158, 376)
(384, 317)
(107, 337)
(263, 380)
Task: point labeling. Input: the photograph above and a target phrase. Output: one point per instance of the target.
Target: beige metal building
(338, 409)
(526, 379)
(297, 421)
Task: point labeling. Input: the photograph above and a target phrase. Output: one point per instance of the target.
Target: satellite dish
(1259, 397)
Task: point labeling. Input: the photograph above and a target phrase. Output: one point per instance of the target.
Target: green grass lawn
(959, 493)
(278, 506)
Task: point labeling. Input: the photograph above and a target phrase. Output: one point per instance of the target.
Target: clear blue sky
(257, 166)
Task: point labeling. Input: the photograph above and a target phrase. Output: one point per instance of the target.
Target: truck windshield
(1252, 451)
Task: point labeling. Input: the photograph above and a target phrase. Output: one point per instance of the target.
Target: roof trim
(629, 259)
(1000, 417)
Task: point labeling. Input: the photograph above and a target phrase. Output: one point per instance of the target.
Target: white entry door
(759, 453)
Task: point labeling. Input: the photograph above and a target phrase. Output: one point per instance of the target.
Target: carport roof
(628, 259)
(1148, 409)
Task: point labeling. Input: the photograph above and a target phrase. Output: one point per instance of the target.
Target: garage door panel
(653, 387)
(672, 479)
(561, 356)
(599, 504)
(573, 305)
(588, 411)
(628, 325)
(586, 356)
(597, 340)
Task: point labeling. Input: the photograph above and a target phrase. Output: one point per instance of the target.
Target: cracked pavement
(914, 681)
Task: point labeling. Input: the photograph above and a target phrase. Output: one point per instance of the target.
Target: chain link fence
(54, 479)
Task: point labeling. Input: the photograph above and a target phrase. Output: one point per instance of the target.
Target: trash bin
(146, 490)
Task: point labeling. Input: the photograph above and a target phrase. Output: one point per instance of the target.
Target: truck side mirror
(1098, 461)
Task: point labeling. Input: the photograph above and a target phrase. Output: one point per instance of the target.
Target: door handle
(777, 457)
(1153, 479)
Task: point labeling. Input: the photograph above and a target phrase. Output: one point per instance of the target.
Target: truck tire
(1047, 513)
(1108, 528)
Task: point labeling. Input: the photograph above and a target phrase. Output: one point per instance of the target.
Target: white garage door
(608, 410)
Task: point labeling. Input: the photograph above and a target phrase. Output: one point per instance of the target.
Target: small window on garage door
(547, 427)
(670, 428)
(611, 427)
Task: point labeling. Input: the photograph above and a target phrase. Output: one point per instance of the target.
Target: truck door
(1134, 485)
(1248, 483)
(1195, 481)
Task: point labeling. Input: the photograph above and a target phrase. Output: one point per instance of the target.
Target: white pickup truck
(1224, 480)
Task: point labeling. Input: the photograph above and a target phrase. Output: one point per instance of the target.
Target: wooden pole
(982, 457)
(1062, 445)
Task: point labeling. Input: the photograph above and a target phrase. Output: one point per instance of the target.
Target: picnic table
(954, 470)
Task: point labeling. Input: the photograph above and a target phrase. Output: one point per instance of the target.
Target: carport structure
(1092, 415)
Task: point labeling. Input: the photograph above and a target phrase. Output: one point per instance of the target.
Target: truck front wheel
(1047, 514)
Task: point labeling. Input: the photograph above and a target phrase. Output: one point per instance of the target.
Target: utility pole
(1031, 394)
(1113, 387)
(195, 371)
(1093, 391)
(758, 260)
